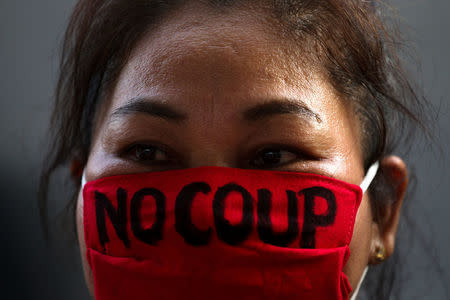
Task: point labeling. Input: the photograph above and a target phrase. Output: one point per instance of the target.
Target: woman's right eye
(147, 154)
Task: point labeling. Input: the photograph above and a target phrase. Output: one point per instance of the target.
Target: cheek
(80, 233)
(360, 244)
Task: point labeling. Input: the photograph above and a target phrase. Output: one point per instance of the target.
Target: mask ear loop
(370, 175)
(355, 294)
(83, 179)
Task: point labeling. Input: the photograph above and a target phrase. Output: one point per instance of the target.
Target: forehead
(205, 51)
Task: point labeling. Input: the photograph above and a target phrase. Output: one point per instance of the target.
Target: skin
(212, 67)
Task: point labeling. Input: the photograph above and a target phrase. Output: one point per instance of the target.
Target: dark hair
(358, 49)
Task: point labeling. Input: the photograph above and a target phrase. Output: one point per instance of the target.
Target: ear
(394, 170)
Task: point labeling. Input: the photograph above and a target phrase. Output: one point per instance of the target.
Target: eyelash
(132, 153)
(277, 148)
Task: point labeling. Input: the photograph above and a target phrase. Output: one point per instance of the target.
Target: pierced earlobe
(380, 254)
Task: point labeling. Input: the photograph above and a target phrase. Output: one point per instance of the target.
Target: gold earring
(380, 254)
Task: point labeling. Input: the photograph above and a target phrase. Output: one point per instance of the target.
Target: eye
(147, 154)
(273, 157)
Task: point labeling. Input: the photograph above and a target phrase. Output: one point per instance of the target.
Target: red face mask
(219, 233)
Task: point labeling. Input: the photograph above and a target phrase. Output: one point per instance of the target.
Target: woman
(297, 88)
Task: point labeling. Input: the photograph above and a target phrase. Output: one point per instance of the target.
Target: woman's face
(204, 89)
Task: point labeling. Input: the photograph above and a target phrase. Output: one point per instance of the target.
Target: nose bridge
(213, 145)
(214, 135)
(212, 154)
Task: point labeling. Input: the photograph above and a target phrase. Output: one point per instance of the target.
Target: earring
(380, 254)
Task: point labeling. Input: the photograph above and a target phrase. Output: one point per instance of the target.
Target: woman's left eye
(273, 157)
(147, 153)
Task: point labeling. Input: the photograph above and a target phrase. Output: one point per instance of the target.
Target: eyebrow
(150, 106)
(278, 107)
(157, 108)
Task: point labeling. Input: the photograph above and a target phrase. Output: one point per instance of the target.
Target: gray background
(30, 32)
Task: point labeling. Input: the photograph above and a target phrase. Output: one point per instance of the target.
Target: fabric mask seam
(351, 224)
(320, 178)
(86, 225)
(252, 250)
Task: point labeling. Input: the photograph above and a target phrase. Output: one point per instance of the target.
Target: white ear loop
(370, 175)
(355, 293)
(83, 178)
